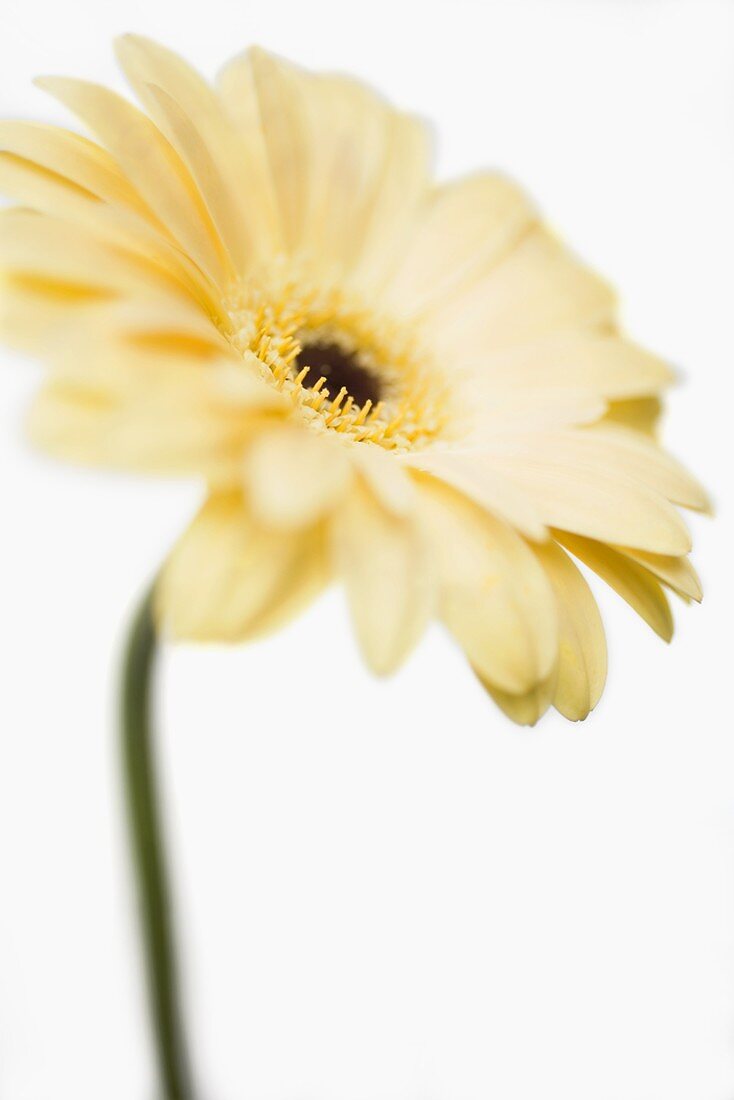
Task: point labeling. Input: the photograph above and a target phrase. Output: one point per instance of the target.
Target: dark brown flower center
(341, 369)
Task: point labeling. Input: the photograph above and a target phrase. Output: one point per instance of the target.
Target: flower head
(411, 387)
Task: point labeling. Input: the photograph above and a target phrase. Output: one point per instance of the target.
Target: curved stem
(146, 843)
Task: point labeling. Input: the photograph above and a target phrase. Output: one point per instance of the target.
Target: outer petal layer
(386, 565)
(582, 651)
(229, 579)
(495, 597)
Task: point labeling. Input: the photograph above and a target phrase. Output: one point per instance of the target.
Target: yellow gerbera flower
(414, 388)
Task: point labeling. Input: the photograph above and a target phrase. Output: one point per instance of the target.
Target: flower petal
(348, 131)
(293, 475)
(161, 432)
(164, 353)
(495, 597)
(528, 708)
(463, 230)
(385, 563)
(386, 478)
(348, 172)
(604, 448)
(631, 581)
(607, 365)
(402, 187)
(64, 201)
(237, 90)
(600, 504)
(41, 246)
(675, 573)
(465, 471)
(33, 309)
(582, 650)
(223, 164)
(538, 290)
(280, 89)
(229, 580)
(151, 164)
(73, 158)
(494, 413)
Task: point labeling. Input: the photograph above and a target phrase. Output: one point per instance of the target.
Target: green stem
(146, 842)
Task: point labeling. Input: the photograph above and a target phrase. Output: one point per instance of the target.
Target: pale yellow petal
(99, 335)
(386, 478)
(582, 650)
(462, 231)
(225, 211)
(48, 193)
(193, 118)
(492, 412)
(294, 476)
(32, 309)
(538, 290)
(56, 170)
(280, 89)
(347, 172)
(648, 463)
(32, 185)
(152, 433)
(676, 573)
(387, 570)
(403, 187)
(600, 504)
(466, 471)
(607, 365)
(160, 352)
(603, 448)
(114, 368)
(73, 158)
(238, 93)
(528, 708)
(151, 164)
(348, 131)
(495, 597)
(632, 582)
(171, 326)
(229, 580)
(56, 251)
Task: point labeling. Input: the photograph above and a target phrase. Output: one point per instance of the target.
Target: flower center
(345, 368)
(342, 370)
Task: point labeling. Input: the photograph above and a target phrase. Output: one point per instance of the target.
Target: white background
(390, 892)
